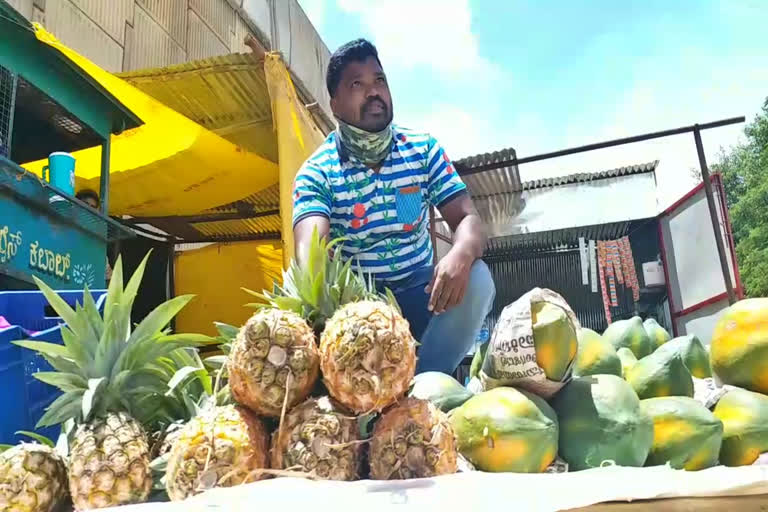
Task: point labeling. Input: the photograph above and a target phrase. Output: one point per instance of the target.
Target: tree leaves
(744, 169)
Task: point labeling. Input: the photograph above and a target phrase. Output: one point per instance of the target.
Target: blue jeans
(446, 338)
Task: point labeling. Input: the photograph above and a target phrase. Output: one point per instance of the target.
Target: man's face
(362, 98)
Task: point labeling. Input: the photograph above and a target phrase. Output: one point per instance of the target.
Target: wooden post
(713, 216)
(433, 233)
(104, 183)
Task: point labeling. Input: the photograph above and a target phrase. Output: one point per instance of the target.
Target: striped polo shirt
(384, 216)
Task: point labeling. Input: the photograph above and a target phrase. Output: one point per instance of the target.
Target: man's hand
(451, 276)
(449, 281)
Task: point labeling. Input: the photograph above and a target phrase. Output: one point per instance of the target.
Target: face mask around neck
(371, 148)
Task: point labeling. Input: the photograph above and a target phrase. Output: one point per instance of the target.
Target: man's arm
(302, 234)
(451, 276)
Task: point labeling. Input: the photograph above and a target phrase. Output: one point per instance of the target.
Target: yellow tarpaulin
(174, 166)
(168, 166)
(297, 138)
(216, 274)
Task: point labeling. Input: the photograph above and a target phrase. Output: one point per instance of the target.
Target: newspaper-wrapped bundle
(511, 357)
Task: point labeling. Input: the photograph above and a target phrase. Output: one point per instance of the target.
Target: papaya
(739, 347)
(627, 358)
(506, 430)
(441, 389)
(477, 360)
(601, 420)
(595, 355)
(660, 374)
(554, 337)
(694, 355)
(685, 433)
(656, 333)
(631, 334)
(745, 426)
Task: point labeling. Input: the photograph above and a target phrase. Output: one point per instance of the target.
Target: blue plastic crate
(26, 397)
(12, 393)
(29, 309)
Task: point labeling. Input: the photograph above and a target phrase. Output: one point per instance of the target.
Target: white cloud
(434, 33)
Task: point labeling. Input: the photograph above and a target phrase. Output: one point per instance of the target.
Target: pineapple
(367, 352)
(274, 355)
(33, 478)
(320, 438)
(221, 447)
(367, 355)
(273, 362)
(113, 387)
(413, 439)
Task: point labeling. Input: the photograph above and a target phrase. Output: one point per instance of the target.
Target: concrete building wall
(126, 35)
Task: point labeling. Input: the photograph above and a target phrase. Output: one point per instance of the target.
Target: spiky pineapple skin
(109, 463)
(412, 439)
(272, 345)
(166, 439)
(318, 437)
(367, 355)
(221, 447)
(33, 478)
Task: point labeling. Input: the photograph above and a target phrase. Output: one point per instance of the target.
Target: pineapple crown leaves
(105, 365)
(318, 288)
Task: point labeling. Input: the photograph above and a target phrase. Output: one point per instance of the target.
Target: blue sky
(482, 75)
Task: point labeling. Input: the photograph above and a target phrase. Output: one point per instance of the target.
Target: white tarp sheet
(478, 491)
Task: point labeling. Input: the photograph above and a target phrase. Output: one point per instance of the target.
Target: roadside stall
(313, 398)
(49, 109)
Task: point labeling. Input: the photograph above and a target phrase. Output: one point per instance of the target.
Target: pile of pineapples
(141, 411)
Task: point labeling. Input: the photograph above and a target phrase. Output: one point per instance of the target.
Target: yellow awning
(168, 166)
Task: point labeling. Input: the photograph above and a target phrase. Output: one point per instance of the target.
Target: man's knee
(480, 290)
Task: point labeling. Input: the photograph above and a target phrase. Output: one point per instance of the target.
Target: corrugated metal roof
(584, 177)
(227, 95)
(216, 93)
(548, 240)
(268, 225)
(498, 181)
(267, 199)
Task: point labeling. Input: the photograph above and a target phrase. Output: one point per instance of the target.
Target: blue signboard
(49, 236)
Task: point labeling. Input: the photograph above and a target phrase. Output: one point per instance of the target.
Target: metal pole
(104, 184)
(14, 88)
(713, 215)
(463, 171)
(433, 234)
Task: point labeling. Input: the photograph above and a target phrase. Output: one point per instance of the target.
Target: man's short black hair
(87, 193)
(357, 50)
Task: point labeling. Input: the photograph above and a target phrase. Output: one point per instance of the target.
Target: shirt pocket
(409, 202)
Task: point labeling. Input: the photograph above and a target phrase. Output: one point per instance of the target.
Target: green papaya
(694, 355)
(506, 430)
(601, 420)
(554, 336)
(631, 334)
(656, 333)
(660, 374)
(595, 356)
(477, 360)
(739, 348)
(745, 426)
(627, 358)
(442, 390)
(685, 433)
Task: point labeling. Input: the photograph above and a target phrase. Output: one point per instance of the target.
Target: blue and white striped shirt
(384, 216)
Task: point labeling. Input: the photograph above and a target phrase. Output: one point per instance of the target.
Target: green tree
(745, 176)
